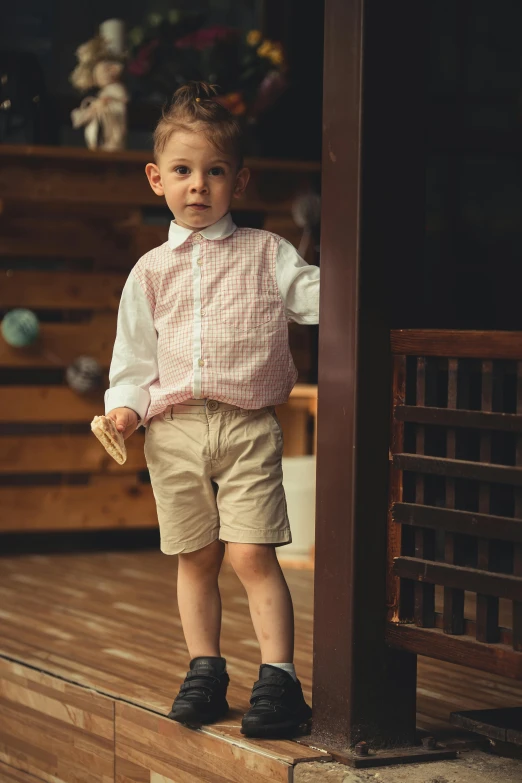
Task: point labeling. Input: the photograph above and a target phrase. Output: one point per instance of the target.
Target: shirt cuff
(128, 396)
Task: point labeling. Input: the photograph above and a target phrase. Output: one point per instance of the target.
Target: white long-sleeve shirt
(205, 315)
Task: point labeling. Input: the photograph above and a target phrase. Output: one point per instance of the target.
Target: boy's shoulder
(259, 240)
(257, 233)
(153, 258)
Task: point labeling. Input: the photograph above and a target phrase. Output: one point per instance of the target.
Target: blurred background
(168, 44)
(74, 220)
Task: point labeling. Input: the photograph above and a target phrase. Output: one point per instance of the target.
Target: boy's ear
(154, 177)
(242, 178)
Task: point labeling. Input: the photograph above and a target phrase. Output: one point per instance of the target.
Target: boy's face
(197, 180)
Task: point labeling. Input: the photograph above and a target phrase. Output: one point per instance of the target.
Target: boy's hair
(194, 105)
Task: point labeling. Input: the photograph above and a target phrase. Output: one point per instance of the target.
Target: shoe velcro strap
(207, 683)
(263, 690)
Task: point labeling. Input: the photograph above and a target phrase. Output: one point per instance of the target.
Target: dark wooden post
(372, 234)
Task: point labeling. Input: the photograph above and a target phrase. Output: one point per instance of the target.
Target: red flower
(204, 39)
(143, 61)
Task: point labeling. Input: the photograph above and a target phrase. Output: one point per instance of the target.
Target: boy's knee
(251, 561)
(205, 558)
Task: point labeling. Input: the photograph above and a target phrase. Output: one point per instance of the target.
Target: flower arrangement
(173, 49)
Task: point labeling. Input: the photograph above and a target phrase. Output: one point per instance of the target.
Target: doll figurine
(104, 115)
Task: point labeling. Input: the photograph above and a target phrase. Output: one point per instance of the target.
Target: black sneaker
(278, 706)
(202, 697)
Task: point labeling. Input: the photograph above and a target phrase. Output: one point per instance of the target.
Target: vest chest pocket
(245, 302)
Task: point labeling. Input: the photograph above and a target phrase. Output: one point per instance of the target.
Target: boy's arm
(134, 365)
(298, 284)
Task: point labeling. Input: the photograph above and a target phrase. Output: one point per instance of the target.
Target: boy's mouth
(199, 206)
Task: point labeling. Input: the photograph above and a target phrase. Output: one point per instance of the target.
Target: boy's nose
(198, 184)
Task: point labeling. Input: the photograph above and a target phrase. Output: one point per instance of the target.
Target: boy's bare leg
(199, 600)
(269, 599)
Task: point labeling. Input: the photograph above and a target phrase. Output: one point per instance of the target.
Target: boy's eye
(181, 170)
(216, 171)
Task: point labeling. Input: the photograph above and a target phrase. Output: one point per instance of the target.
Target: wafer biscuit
(111, 439)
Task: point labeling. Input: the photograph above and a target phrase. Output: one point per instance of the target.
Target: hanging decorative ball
(84, 374)
(20, 327)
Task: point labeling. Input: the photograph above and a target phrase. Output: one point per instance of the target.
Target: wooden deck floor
(109, 622)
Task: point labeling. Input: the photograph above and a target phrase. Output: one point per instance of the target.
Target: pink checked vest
(221, 323)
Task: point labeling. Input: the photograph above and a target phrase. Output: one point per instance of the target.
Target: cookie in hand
(111, 439)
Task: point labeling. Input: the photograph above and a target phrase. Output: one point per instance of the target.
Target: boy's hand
(126, 420)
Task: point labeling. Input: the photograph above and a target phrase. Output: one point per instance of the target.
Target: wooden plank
(497, 724)
(38, 174)
(53, 729)
(487, 605)
(70, 614)
(495, 658)
(459, 577)
(61, 290)
(445, 417)
(59, 344)
(457, 344)
(469, 523)
(453, 611)
(12, 775)
(62, 236)
(158, 746)
(48, 404)
(42, 152)
(457, 468)
(399, 594)
(66, 453)
(424, 594)
(106, 502)
(517, 547)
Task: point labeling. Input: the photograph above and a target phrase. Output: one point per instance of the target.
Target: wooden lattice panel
(455, 525)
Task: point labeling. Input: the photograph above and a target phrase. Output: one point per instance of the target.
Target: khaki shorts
(216, 473)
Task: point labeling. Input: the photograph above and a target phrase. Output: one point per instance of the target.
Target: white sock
(289, 668)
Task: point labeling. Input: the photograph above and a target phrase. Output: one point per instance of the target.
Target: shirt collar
(220, 230)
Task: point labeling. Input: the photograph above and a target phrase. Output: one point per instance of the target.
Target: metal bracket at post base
(363, 756)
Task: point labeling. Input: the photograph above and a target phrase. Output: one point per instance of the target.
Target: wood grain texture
(459, 468)
(48, 404)
(446, 417)
(457, 521)
(9, 774)
(68, 454)
(53, 729)
(494, 658)
(457, 344)
(59, 344)
(109, 622)
(41, 175)
(57, 290)
(105, 502)
(460, 578)
(151, 742)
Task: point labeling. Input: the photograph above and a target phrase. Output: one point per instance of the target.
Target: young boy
(201, 358)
